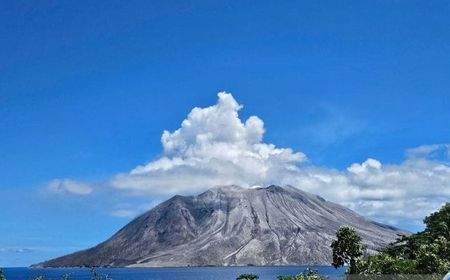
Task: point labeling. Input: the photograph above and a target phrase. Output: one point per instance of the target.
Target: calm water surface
(184, 273)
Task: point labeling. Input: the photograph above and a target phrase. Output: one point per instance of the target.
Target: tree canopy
(347, 248)
(425, 252)
(247, 277)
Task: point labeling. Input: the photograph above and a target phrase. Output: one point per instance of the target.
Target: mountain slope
(232, 226)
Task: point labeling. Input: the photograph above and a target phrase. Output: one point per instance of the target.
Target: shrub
(426, 252)
(247, 277)
(98, 276)
(308, 274)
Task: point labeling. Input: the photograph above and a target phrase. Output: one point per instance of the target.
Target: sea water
(181, 273)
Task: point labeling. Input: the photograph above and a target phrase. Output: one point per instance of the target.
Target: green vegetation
(347, 248)
(309, 274)
(385, 264)
(247, 277)
(67, 276)
(2, 277)
(426, 252)
(98, 276)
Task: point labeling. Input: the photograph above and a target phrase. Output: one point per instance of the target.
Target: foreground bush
(247, 277)
(386, 264)
(95, 275)
(426, 252)
(309, 274)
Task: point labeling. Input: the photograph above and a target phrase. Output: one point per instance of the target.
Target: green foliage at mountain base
(426, 252)
(308, 274)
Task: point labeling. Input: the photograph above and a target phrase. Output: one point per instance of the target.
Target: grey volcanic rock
(231, 226)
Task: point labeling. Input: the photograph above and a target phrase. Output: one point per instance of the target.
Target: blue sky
(86, 90)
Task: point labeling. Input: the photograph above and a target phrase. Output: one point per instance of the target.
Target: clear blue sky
(86, 90)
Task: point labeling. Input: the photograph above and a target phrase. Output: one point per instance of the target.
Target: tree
(247, 277)
(347, 248)
(2, 277)
(438, 223)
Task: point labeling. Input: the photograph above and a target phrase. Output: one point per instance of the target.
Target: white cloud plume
(69, 186)
(214, 147)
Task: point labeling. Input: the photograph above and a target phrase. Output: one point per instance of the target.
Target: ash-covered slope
(231, 226)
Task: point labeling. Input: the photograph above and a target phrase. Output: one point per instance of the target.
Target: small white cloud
(429, 151)
(124, 213)
(17, 250)
(69, 186)
(132, 210)
(369, 164)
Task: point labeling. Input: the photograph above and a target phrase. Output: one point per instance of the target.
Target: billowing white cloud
(69, 186)
(392, 192)
(214, 147)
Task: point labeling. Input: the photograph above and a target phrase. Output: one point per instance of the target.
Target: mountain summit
(232, 226)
